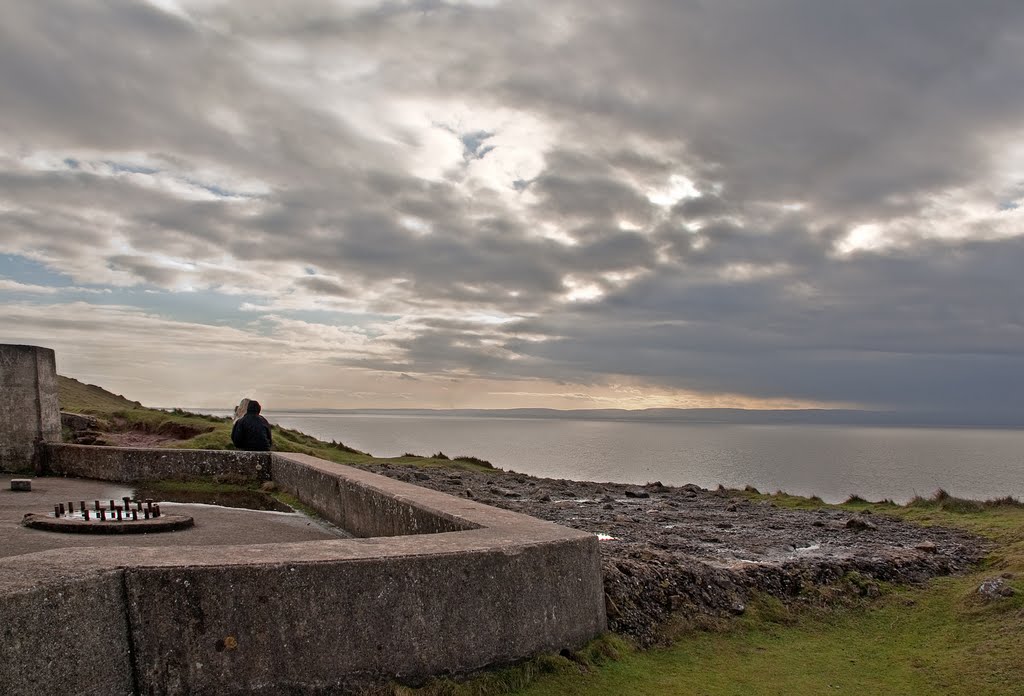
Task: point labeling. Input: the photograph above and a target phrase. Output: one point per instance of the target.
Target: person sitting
(252, 431)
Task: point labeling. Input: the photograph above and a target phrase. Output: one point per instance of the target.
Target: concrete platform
(214, 525)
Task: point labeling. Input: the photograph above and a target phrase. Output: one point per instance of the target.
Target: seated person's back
(252, 431)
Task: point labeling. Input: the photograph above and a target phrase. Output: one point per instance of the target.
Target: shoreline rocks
(689, 553)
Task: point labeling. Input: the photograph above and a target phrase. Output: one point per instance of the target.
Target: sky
(487, 203)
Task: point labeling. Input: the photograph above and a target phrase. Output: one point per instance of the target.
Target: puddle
(247, 500)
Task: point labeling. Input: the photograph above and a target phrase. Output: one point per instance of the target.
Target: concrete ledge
(366, 505)
(443, 586)
(132, 465)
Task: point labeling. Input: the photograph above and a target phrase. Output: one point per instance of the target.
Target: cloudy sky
(487, 203)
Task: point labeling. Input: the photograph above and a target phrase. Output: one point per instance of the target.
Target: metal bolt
(156, 510)
(61, 506)
(71, 508)
(135, 515)
(118, 513)
(56, 511)
(145, 514)
(85, 514)
(103, 515)
(97, 505)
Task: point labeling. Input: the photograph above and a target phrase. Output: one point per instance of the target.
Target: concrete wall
(489, 587)
(132, 465)
(359, 504)
(28, 404)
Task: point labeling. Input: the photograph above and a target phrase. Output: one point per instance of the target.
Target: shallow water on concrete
(248, 500)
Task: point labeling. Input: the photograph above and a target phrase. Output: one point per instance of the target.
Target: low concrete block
(21, 484)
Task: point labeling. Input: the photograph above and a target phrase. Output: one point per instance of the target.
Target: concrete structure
(28, 404)
(434, 585)
(134, 464)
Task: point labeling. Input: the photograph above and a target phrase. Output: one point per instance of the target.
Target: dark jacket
(252, 431)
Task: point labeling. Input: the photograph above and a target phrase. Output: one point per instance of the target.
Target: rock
(470, 493)
(607, 498)
(996, 588)
(860, 524)
(79, 421)
(637, 493)
(731, 508)
(609, 506)
(817, 523)
(927, 547)
(658, 487)
(21, 484)
(421, 476)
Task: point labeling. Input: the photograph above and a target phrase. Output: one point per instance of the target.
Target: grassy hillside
(120, 418)
(77, 397)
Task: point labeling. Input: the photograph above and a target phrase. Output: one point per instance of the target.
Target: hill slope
(88, 398)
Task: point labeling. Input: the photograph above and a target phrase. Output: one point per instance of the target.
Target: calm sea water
(830, 461)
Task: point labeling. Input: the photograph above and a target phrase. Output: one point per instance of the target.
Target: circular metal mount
(164, 523)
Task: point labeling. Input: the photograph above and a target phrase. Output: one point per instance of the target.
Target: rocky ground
(690, 554)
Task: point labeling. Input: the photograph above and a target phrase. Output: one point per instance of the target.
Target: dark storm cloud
(263, 138)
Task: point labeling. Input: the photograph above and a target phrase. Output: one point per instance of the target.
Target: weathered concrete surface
(138, 464)
(322, 616)
(314, 627)
(69, 636)
(28, 404)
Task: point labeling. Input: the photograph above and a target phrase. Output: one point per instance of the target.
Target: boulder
(859, 524)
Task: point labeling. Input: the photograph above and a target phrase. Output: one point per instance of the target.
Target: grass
(88, 398)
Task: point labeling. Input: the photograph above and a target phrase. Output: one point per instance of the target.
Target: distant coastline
(731, 416)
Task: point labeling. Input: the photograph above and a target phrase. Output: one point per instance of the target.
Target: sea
(833, 462)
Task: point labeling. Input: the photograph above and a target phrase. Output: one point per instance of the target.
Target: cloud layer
(545, 203)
